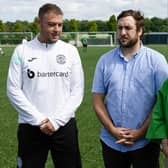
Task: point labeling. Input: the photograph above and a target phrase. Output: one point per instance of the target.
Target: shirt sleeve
(157, 126)
(76, 94)
(16, 94)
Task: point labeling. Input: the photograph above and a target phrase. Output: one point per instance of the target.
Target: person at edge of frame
(125, 85)
(158, 125)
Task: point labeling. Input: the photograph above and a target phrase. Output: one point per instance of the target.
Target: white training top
(45, 81)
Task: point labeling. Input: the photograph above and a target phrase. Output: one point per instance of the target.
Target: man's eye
(51, 24)
(60, 25)
(55, 24)
(128, 28)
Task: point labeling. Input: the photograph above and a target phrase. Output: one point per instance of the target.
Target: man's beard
(129, 44)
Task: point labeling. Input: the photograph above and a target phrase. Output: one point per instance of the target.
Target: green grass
(88, 125)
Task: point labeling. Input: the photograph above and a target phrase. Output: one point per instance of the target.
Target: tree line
(153, 24)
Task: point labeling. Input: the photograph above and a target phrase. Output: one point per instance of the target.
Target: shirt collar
(45, 45)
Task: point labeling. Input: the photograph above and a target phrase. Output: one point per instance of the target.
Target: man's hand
(128, 136)
(125, 142)
(119, 132)
(165, 147)
(46, 127)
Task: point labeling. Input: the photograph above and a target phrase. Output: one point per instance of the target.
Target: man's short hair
(46, 8)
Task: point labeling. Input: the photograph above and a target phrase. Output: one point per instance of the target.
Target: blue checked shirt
(130, 87)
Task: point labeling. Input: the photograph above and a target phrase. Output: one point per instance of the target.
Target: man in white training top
(45, 85)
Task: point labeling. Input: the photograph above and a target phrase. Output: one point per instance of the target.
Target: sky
(27, 10)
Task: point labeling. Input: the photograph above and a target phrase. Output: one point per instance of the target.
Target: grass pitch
(88, 124)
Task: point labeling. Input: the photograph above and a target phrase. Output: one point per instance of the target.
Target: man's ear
(140, 32)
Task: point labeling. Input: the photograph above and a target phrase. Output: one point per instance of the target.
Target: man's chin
(124, 45)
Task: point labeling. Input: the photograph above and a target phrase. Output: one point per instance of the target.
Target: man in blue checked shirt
(125, 85)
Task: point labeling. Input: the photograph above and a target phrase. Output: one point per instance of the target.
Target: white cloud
(82, 9)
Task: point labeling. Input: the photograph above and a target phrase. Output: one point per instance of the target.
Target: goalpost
(93, 38)
(14, 38)
(99, 39)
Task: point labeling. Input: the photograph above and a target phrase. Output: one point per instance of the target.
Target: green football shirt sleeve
(157, 128)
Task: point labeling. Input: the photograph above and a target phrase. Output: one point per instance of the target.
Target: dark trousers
(146, 157)
(33, 147)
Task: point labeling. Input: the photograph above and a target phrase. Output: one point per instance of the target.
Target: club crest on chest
(61, 59)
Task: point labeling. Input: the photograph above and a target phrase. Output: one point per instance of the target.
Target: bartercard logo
(30, 74)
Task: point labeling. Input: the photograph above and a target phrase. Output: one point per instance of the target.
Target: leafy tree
(1, 26)
(112, 23)
(83, 25)
(164, 26)
(26, 26)
(66, 25)
(151, 25)
(34, 26)
(102, 25)
(9, 26)
(73, 26)
(148, 25)
(156, 23)
(92, 26)
(18, 26)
